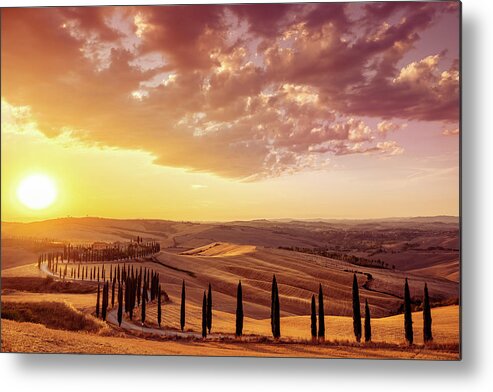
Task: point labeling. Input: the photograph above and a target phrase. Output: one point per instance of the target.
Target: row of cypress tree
(80, 253)
(135, 291)
(408, 329)
(90, 272)
(135, 288)
(357, 327)
(87, 272)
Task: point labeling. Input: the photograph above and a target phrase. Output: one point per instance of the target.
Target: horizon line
(318, 219)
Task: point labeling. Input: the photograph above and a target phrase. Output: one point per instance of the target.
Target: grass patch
(54, 315)
(47, 285)
(334, 343)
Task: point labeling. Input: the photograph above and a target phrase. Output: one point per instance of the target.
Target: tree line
(95, 253)
(317, 325)
(133, 288)
(88, 272)
(318, 330)
(138, 287)
(356, 313)
(356, 260)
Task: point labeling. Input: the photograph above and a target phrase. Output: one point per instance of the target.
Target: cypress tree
(139, 285)
(104, 306)
(143, 311)
(427, 335)
(107, 296)
(314, 319)
(321, 314)
(153, 286)
(128, 298)
(144, 291)
(367, 322)
(159, 306)
(277, 314)
(275, 310)
(209, 309)
(182, 306)
(134, 292)
(239, 311)
(138, 282)
(408, 321)
(127, 301)
(131, 292)
(204, 316)
(113, 292)
(97, 301)
(356, 310)
(120, 304)
(273, 295)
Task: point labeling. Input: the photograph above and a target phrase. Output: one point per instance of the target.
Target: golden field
(223, 264)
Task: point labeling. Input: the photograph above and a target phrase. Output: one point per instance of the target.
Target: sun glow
(37, 191)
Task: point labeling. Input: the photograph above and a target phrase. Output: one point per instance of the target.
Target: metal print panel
(232, 180)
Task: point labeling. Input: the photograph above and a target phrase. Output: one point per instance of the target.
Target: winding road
(112, 318)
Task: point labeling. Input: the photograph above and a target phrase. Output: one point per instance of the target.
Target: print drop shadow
(161, 366)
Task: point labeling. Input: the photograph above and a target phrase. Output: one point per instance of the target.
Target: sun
(37, 191)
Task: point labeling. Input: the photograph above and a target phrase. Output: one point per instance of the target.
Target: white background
(473, 373)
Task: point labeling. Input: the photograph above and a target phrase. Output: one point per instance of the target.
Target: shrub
(54, 315)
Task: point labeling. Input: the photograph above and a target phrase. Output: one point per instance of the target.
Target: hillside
(427, 246)
(382, 254)
(298, 276)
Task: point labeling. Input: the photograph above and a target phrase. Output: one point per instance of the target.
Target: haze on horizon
(286, 219)
(233, 112)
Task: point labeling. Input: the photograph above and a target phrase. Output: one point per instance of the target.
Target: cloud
(17, 119)
(386, 127)
(451, 132)
(241, 91)
(390, 147)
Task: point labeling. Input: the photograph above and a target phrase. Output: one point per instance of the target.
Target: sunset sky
(233, 111)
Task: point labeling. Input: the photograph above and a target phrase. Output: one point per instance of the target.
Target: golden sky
(233, 112)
